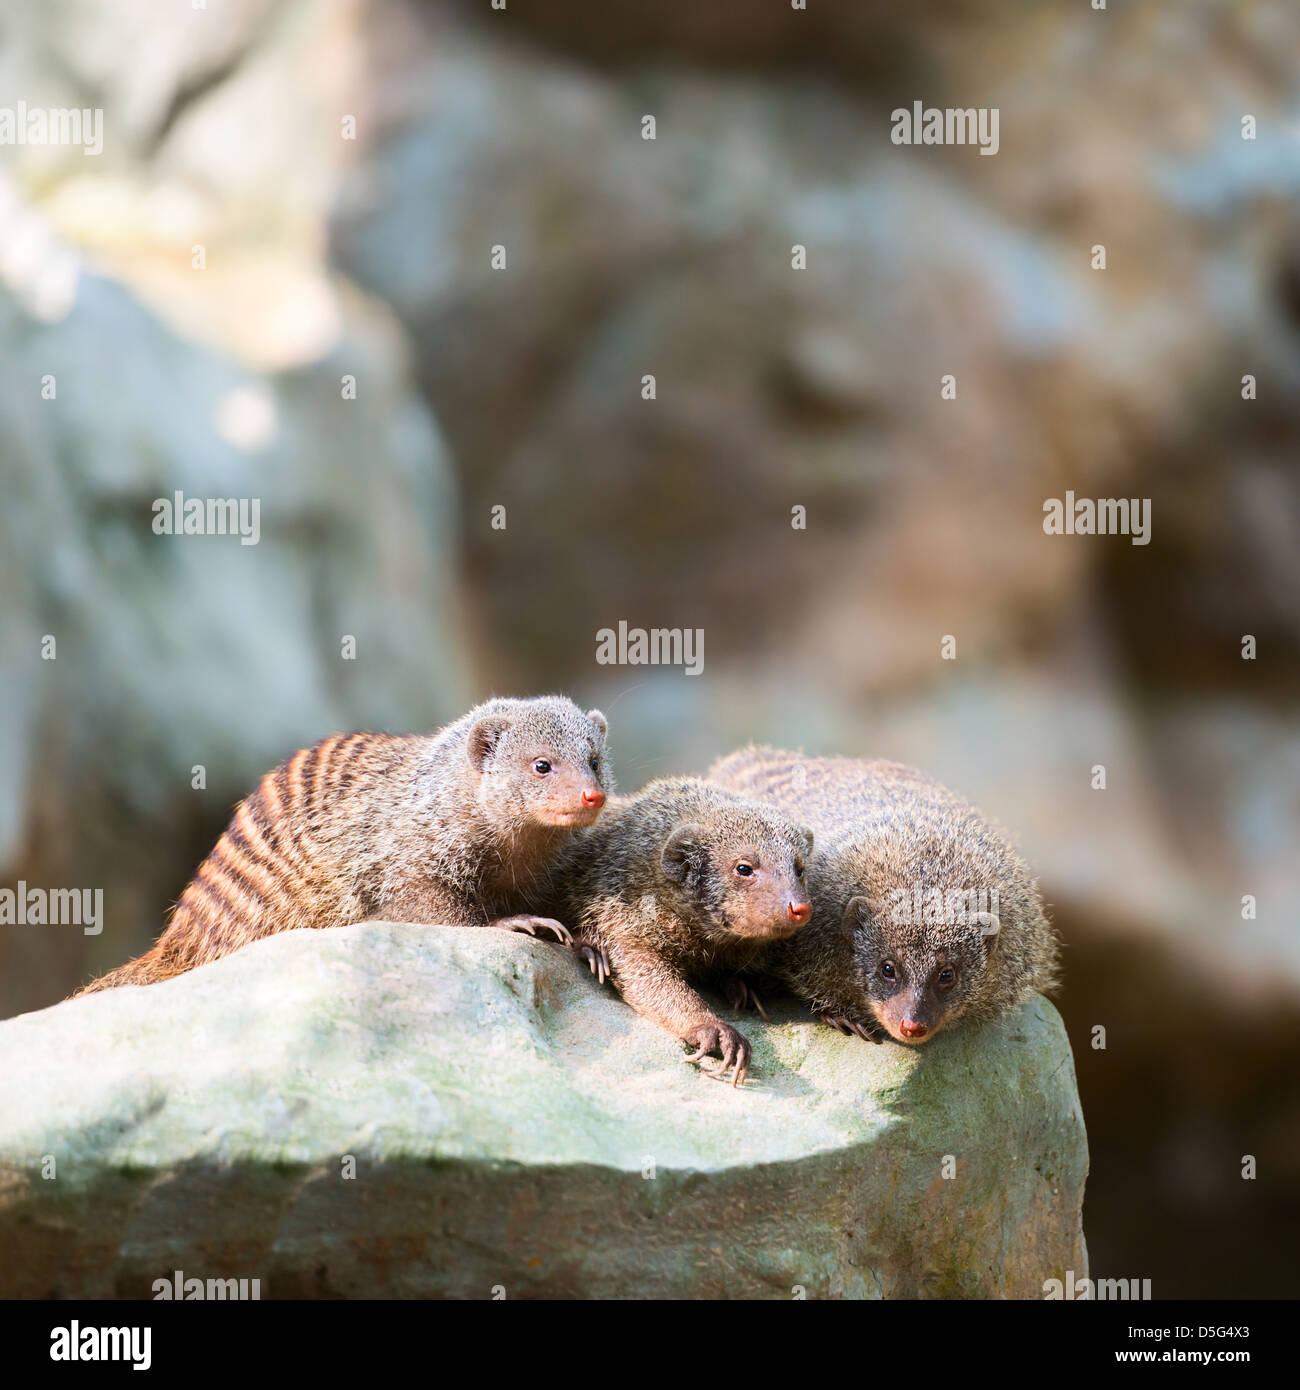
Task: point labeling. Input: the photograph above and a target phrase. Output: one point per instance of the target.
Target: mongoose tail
(144, 970)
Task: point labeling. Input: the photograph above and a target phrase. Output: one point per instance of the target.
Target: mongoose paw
(535, 926)
(716, 1036)
(852, 1028)
(597, 960)
(741, 995)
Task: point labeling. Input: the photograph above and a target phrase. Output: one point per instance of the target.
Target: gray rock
(820, 388)
(127, 373)
(515, 1125)
(176, 652)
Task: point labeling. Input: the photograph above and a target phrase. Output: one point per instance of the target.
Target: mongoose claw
(741, 995)
(597, 960)
(851, 1028)
(720, 1037)
(535, 926)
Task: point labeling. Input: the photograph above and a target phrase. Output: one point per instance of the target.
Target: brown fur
(884, 830)
(654, 890)
(455, 827)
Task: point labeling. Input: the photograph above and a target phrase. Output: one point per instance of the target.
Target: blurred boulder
(169, 322)
(155, 676)
(778, 389)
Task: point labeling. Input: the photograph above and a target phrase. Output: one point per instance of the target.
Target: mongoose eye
(744, 869)
(798, 869)
(541, 767)
(595, 763)
(887, 971)
(946, 978)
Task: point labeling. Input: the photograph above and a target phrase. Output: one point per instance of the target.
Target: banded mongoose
(924, 916)
(683, 882)
(456, 827)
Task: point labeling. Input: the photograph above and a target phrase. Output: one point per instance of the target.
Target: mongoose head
(741, 870)
(918, 976)
(541, 761)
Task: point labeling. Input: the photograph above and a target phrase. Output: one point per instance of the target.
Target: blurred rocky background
(228, 140)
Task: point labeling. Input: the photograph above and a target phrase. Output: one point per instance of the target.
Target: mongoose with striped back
(683, 883)
(924, 916)
(455, 827)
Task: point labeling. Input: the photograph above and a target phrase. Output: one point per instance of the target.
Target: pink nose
(910, 1028)
(798, 913)
(593, 797)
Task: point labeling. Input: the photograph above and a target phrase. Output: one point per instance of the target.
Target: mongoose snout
(754, 883)
(915, 976)
(766, 924)
(570, 803)
(555, 781)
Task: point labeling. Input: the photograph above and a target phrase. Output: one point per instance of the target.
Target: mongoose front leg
(742, 995)
(729, 1042)
(651, 986)
(594, 955)
(852, 1027)
(534, 926)
(426, 902)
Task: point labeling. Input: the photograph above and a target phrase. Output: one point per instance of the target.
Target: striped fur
(455, 827)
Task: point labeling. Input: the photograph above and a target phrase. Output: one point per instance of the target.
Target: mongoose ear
(681, 849)
(599, 721)
(484, 737)
(807, 837)
(856, 913)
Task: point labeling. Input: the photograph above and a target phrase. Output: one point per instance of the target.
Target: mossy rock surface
(512, 1125)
